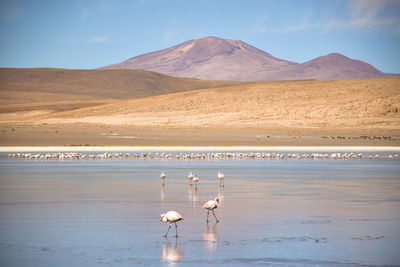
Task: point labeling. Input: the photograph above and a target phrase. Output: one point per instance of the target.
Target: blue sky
(94, 33)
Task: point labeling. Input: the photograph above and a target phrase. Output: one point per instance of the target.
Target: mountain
(208, 58)
(215, 58)
(331, 67)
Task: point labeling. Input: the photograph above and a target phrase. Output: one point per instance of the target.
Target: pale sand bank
(6, 149)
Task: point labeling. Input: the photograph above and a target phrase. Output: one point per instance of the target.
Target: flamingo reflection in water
(162, 193)
(171, 253)
(193, 196)
(211, 236)
(221, 194)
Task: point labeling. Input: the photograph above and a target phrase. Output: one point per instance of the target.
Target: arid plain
(54, 107)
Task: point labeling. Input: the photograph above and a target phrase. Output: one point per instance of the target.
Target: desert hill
(98, 83)
(63, 89)
(215, 58)
(368, 104)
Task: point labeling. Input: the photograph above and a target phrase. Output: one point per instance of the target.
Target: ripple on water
(367, 237)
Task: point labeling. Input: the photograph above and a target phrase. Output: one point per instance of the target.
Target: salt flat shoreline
(6, 149)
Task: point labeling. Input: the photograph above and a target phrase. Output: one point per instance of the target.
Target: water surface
(272, 212)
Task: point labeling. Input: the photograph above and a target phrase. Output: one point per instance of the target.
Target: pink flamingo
(195, 181)
(171, 217)
(211, 205)
(221, 177)
(190, 176)
(163, 175)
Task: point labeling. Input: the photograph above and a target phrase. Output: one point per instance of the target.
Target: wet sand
(272, 212)
(81, 134)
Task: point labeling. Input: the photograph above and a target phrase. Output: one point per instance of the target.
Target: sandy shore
(80, 134)
(6, 149)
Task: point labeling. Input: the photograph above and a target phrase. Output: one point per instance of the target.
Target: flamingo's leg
(167, 230)
(215, 216)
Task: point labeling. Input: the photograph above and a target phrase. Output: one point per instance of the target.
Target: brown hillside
(95, 84)
(371, 104)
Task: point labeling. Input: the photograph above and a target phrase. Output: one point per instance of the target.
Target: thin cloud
(84, 14)
(369, 15)
(375, 15)
(99, 39)
(169, 36)
(304, 25)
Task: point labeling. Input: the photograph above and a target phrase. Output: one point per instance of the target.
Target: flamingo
(195, 181)
(221, 177)
(190, 176)
(163, 175)
(171, 217)
(211, 205)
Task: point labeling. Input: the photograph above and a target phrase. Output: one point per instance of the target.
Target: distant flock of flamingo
(172, 217)
(197, 156)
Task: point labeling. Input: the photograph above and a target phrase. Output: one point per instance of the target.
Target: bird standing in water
(195, 181)
(221, 177)
(172, 217)
(163, 175)
(211, 205)
(190, 176)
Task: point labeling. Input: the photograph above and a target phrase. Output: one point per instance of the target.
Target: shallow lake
(273, 212)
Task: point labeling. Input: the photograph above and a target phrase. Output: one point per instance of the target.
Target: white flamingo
(190, 176)
(172, 217)
(195, 181)
(211, 205)
(163, 175)
(221, 177)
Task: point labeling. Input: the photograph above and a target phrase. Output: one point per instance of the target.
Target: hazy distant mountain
(331, 67)
(208, 58)
(215, 58)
